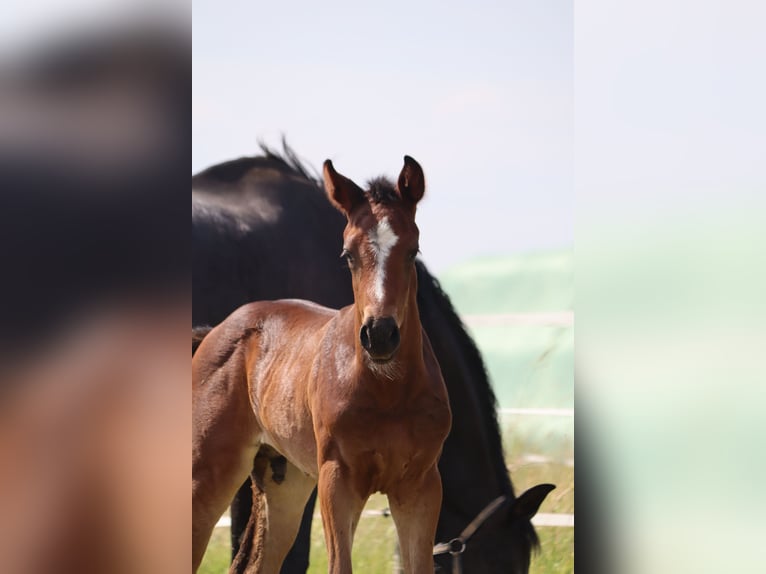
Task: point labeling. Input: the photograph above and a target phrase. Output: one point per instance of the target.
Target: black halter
(456, 546)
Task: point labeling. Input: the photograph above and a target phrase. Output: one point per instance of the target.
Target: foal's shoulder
(304, 305)
(266, 312)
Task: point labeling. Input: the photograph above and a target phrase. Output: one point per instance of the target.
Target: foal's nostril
(394, 338)
(364, 337)
(380, 337)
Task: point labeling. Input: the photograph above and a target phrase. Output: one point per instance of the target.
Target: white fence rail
(539, 519)
(555, 520)
(538, 412)
(551, 319)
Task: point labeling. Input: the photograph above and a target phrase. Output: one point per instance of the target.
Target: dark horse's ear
(527, 505)
(343, 193)
(412, 182)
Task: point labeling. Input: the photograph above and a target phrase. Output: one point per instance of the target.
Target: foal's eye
(412, 255)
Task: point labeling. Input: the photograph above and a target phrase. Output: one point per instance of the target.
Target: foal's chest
(386, 447)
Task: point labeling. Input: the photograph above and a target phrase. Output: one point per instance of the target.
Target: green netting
(530, 365)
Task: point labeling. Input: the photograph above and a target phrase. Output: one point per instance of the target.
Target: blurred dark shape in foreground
(94, 304)
(94, 147)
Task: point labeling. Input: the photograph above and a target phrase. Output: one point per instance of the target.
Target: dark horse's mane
(486, 394)
(380, 189)
(286, 161)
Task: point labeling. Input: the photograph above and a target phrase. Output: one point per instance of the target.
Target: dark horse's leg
(297, 560)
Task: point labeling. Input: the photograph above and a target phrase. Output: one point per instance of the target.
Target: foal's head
(380, 244)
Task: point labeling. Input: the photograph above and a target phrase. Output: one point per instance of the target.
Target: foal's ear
(412, 182)
(343, 193)
(527, 505)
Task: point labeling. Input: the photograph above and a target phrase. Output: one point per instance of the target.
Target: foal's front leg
(341, 507)
(415, 506)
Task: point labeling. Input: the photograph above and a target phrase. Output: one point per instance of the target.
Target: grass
(218, 554)
(557, 555)
(375, 540)
(373, 546)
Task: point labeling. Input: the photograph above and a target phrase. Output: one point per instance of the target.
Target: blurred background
(670, 133)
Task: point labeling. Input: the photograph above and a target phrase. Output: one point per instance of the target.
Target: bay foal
(353, 399)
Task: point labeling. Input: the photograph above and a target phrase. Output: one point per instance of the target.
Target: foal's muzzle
(380, 338)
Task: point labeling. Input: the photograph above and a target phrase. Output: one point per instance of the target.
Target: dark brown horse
(353, 399)
(263, 229)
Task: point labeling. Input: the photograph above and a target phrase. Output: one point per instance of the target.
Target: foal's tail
(199, 333)
(252, 538)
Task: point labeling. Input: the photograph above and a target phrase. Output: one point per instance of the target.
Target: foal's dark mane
(382, 190)
(485, 394)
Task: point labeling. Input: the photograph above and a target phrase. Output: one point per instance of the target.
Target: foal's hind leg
(224, 433)
(280, 494)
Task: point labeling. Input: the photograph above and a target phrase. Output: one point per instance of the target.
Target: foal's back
(250, 378)
(266, 353)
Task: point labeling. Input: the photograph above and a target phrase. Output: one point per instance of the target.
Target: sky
(480, 93)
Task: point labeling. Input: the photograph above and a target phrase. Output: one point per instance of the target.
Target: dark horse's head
(499, 539)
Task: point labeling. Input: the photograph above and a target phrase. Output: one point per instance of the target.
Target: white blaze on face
(383, 240)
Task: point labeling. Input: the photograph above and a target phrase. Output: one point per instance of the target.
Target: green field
(530, 365)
